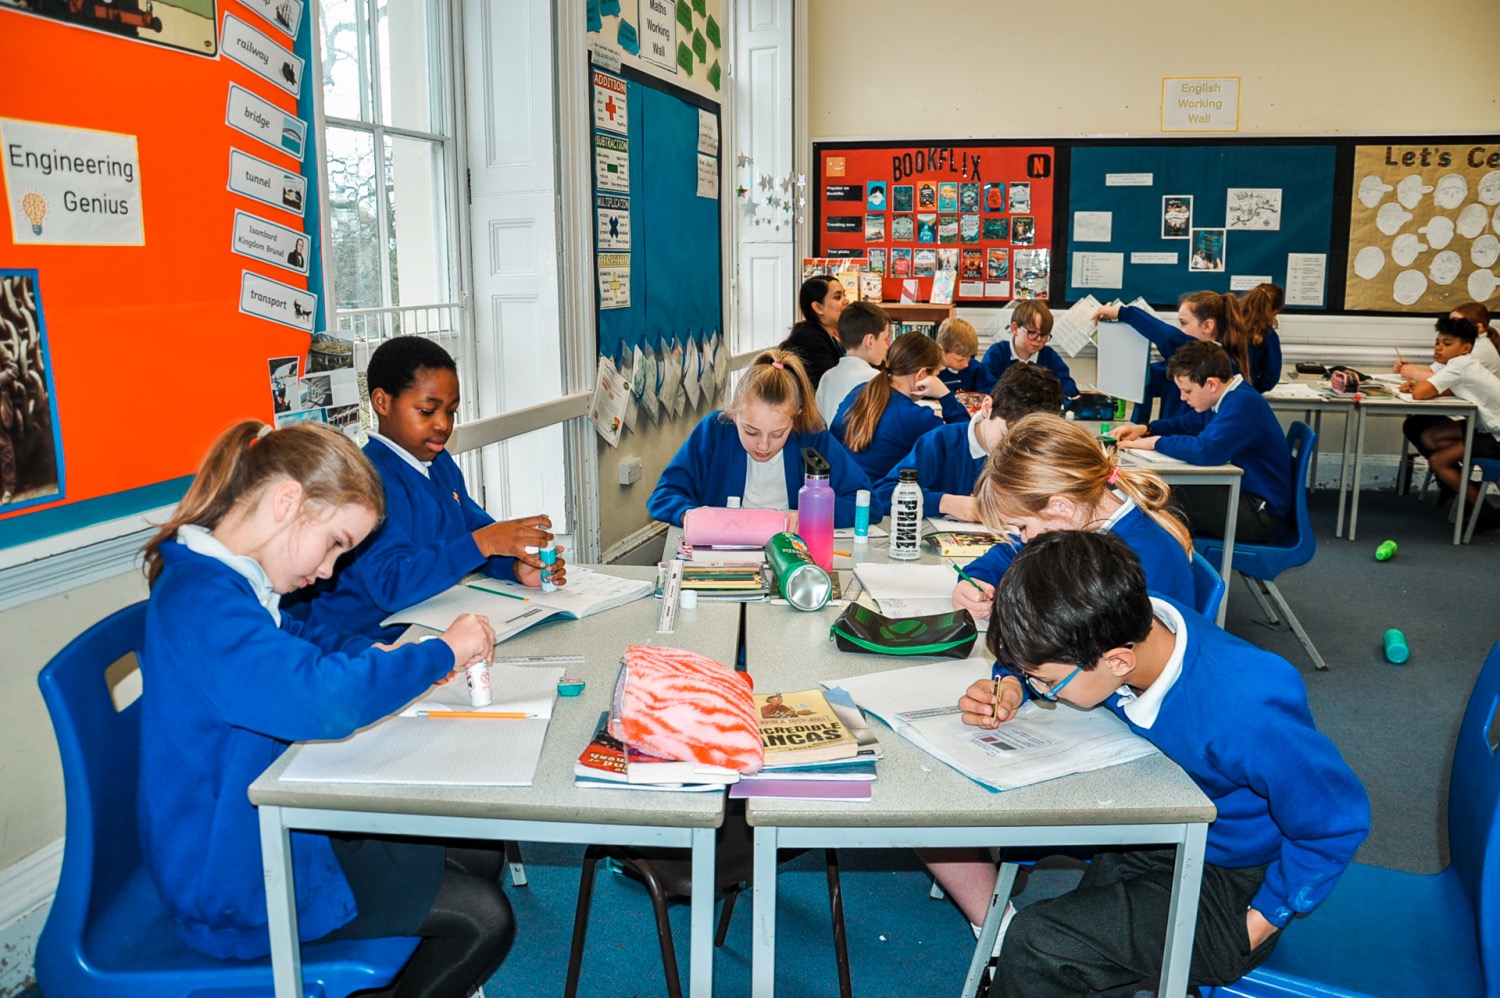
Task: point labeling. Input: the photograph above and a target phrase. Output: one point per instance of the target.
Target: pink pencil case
(714, 526)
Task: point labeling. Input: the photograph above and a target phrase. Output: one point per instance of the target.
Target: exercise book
(512, 608)
(462, 752)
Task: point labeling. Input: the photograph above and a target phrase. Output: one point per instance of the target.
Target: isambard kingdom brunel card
(261, 55)
(266, 122)
(268, 242)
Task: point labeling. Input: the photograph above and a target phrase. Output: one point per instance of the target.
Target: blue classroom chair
(1208, 587)
(107, 933)
(1260, 564)
(1489, 476)
(1387, 934)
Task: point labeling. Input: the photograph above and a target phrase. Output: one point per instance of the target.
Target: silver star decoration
(742, 160)
(801, 181)
(766, 182)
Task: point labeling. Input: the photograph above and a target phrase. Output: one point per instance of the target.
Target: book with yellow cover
(956, 545)
(802, 727)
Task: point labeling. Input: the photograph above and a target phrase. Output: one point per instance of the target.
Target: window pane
(354, 224)
(410, 55)
(418, 207)
(344, 60)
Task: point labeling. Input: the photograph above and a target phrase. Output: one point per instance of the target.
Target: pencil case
(946, 635)
(715, 526)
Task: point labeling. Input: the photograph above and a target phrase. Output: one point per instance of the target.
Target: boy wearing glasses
(1030, 329)
(1073, 619)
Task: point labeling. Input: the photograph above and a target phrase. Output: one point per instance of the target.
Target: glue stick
(478, 675)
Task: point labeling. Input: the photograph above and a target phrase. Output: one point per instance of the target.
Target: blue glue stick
(1396, 651)
(862, 516)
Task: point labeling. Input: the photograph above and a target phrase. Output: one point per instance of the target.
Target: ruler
(538, 659)
(671, 592)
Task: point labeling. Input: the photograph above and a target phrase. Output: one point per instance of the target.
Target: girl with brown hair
(880, 423)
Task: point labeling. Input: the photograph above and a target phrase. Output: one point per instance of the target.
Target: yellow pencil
(1400, 359)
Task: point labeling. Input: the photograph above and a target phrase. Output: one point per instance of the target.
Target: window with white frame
(392, 162)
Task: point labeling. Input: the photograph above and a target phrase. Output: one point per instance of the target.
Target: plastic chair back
(1208, 587)
(1297, 544)
(107, 932)
(1473, 808)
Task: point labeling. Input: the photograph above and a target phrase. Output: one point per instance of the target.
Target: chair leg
(1479, 506)
(1260, 597)
(936, 892)
(1005, 882)
(840, 938)
(663, 930)
(726, 912)
(1296, 625)
(581, 918)
(517, 868)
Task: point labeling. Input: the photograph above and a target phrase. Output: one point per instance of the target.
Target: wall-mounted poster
(975, 200)
(1424, 226)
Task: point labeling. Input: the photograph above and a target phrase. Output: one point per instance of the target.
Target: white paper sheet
(1124, 356)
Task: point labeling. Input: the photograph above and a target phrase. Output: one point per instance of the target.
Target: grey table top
(710, 630)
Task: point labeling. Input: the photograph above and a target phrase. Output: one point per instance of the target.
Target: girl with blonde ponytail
(1049, 474)
(230, 683)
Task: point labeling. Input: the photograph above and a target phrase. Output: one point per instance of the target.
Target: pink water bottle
(815, 510)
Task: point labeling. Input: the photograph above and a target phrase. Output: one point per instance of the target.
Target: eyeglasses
(1034, 334)
(1049, 691)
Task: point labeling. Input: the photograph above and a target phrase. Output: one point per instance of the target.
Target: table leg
(1463, 484)
(763, 926)
(1343, 468)
(1317, 425)
(1359, 461)
(1182, 916)
(1226, 561)
(701, 920)
(281, 903)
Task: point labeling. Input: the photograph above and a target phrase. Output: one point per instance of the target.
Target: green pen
(965, 576)
(496, 592)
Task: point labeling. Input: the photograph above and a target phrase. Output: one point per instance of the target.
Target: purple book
(803, 789)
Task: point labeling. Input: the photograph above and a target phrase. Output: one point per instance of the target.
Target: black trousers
(1106, 936)
(1205, 508)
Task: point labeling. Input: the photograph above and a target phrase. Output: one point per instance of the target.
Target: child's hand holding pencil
(990, 702)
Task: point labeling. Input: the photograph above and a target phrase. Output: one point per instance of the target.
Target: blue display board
(675, 260)
(1248, 206)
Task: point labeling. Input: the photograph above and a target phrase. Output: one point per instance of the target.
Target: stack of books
(606, 762)
(818, 747)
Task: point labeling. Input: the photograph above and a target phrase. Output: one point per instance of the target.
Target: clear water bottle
(815, 509)
(906, 518)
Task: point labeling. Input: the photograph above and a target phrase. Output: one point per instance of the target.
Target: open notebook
(905, 590)
(478, 752)
(512, 608)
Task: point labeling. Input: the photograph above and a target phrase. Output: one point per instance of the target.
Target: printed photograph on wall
(189, 25)
(31, 455)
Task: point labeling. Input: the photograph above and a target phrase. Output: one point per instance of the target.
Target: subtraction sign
(610, 109)
(612, 163)
(268, 299)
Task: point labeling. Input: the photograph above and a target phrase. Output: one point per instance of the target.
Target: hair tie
(778, 365)
(264, 429)
(1114, 475)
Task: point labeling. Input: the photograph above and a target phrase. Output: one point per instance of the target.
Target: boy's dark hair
(1461, 329)
(1024, 389)
(1200, 361)
(860, 319)
(395, 363)
(1069, 597)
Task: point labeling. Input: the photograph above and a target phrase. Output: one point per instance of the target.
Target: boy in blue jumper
(1073, 622)
(959, 341)
(949, 459)
(1230, 424)
(434, 533)
(1030, 329)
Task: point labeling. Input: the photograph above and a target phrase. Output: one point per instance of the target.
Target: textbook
(800, 728)
(605, 758)
(961, 545)
(802, 790)
(512, 608)
(1043, 742)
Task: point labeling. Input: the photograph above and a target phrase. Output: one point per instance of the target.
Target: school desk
(1443, 406)
(551, 810)
(920, 802)
(1312, 410)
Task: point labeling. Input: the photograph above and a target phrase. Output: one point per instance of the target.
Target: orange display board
(982, 210)
(150, 354)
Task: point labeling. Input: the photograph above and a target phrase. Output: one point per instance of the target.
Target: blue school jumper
(1000, 356)
(945, 466)
(424, 545)
(966, 380)
(1236, 719)
(899, 427)
(711, 465)
(226, 692)
(1168, 570)
(1243, 432)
